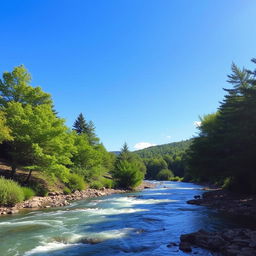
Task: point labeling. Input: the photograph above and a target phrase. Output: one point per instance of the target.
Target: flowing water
(141, 223)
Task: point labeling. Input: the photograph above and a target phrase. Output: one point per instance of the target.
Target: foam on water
(49, 223)
(131, 201)
(48, 247)
(108, 211)
(75, 240)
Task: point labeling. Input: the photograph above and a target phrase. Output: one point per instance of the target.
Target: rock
(185, 247)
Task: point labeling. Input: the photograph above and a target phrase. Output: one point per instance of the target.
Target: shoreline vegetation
(59, 199)
(40, 154)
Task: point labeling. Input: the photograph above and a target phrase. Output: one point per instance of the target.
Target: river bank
(58, 199)
(230, 242)
(230, 203)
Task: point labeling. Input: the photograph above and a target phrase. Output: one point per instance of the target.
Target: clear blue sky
(142, 70)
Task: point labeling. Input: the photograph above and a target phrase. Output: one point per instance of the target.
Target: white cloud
(141, 145)
(168, 136)
(197, 123)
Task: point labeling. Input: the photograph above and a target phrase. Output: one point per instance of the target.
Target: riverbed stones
(57, 199)
(234, 204)
(231, 242)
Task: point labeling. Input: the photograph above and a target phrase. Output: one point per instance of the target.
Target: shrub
(28, 192)
(107, 183)
(66, 191)
(176, 178)
(40, 189)
(10, 192)
(75, 182)
(96, 184)
(127, 174)
(164, 174)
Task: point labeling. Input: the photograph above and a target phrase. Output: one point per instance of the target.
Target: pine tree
(80, 125)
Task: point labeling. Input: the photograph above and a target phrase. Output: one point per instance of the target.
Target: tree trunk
(29, 175)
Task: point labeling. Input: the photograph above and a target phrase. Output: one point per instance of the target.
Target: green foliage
(10, 193)
(67, 191)
(4, 129)
(154, 166)
(80, 125)
(40, 139)
(96, 185)
(176, 178)
(75, 182)
(127, 174)
(107, 183)
(226, 144)
(164, 174)
(28, 192)
(88, 129)
(40, 189)
(171, 149)
(15, 87)
(171, 156)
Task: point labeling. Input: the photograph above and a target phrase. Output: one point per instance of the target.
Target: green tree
(40, 139)
(15, 86)
(224, 149)
(127, 174)
(4, 130)
(129, 169)
(80, 125)
(164, 174)
(154, 166)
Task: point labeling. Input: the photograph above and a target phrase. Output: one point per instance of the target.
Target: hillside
(165, 149)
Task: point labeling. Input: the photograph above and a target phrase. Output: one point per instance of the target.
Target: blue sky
(142, 70)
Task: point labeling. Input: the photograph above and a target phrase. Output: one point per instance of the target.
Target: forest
(165, 162)
(224, 151)
(44, 154)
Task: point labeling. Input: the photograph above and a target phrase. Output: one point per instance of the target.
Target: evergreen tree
(225, 147)
(80, 125)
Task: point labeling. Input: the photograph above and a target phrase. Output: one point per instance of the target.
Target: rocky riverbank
(231, 242)
(231, 203)
(58, 199)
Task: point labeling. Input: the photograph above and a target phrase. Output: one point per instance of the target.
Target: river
(141, 224)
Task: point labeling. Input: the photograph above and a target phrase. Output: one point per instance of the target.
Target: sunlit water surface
(141, 223)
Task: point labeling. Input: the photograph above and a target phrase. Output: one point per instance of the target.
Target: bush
(40, 189)
(28, 192)
(10, 192)
(107, 183)
(164, 174)
(176, 178)
(66, 191)
(75, 182)
(127, 174)
(96, 184)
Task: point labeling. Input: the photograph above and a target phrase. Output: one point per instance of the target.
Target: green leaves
(14, 87)
(4, 129)
(226, 144)
(129, 169)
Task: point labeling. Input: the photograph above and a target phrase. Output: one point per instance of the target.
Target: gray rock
(185, 247)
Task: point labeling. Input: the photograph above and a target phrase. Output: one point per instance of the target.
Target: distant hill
(117, 153)
(165, 149)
